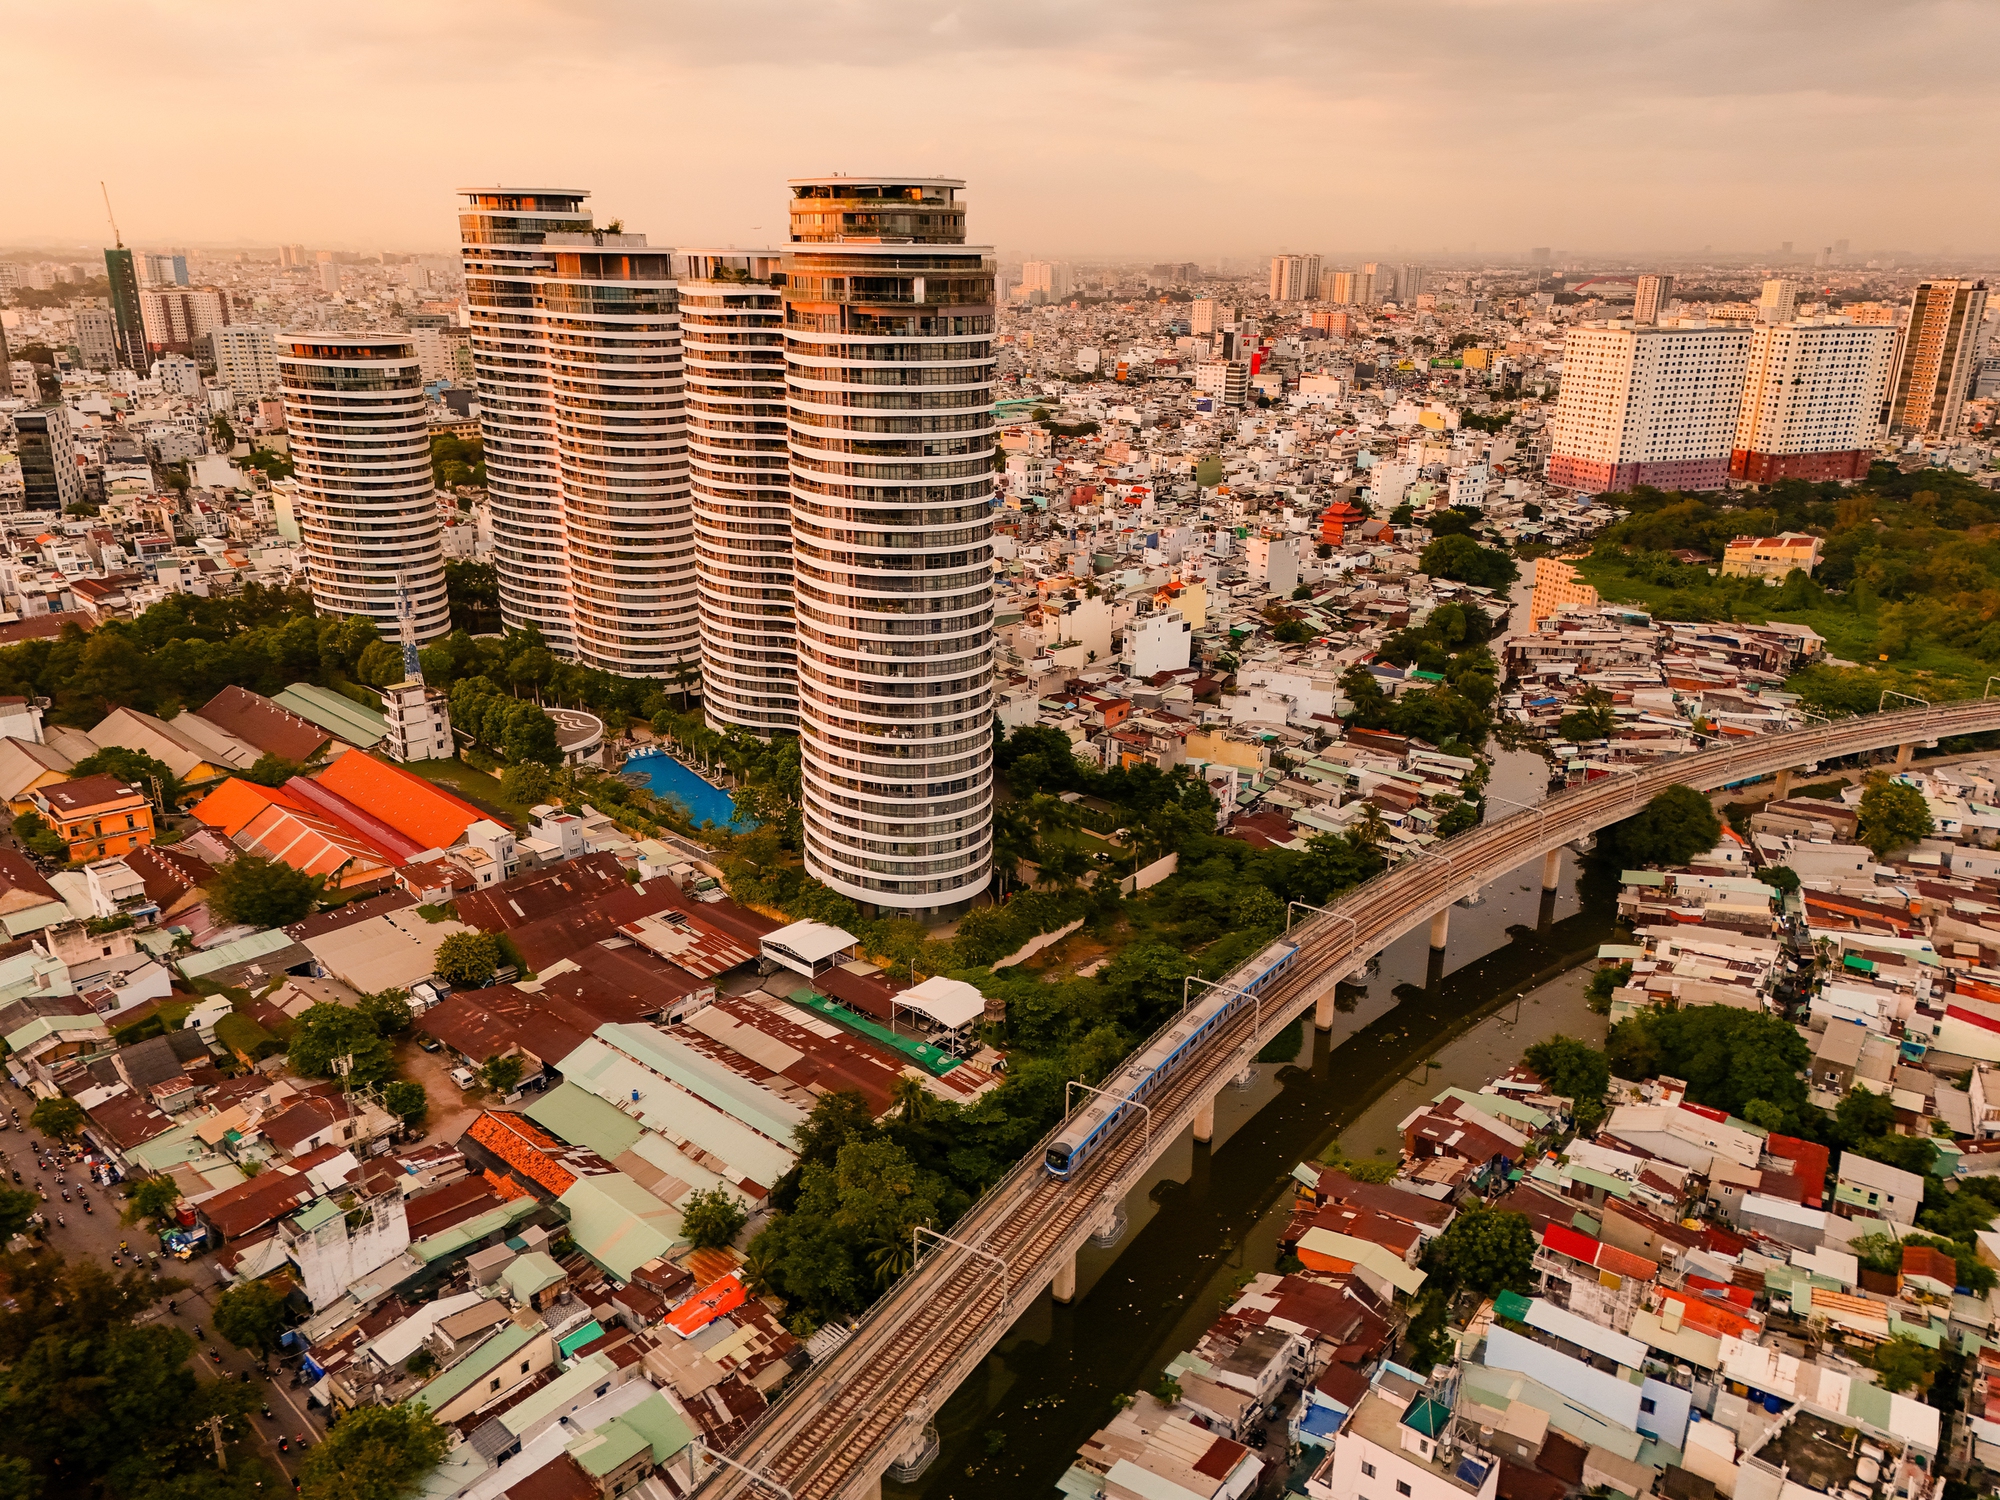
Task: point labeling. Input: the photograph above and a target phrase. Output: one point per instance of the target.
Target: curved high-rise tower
(576, 348)
(361, 451)
(733, 355)
(888, 320)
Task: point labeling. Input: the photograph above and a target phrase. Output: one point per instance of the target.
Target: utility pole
(214, 1426)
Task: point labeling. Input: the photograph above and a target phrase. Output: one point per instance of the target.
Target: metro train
(1143, 1074)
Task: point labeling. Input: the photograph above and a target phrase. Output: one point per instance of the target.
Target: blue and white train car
(1148, 1069)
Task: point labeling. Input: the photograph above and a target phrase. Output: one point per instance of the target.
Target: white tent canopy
(952, 1003)
(806, 946)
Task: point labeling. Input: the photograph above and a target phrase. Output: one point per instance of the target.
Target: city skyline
(1617, 129)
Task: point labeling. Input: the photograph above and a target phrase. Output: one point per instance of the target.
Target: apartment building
(367, 513)
(1815, 396)
(889, 365)
(246, 358)
(1294, 278)
(1927, 394)
(1653, 406)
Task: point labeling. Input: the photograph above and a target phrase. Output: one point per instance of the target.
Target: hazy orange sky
(1147, 127)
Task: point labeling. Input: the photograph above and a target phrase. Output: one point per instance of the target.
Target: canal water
(1207, 1216)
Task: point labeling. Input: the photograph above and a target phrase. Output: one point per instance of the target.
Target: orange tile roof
(314, 845)
(522, 1145)
(412, 806)
(236, 802)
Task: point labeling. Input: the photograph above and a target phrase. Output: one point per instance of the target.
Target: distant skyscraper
(1778, 302)
(889, 364)
(1294, 278)
(1813, 401)
(1537, 257)
(1202, 316)
(1927, 395)
(576, 348)
(361, 455)
(733, 349)
(1051, 277)
(1651, 406)
(163, 270)
(1410, 281)
(1651, 298)
(178, 318)
(125, 313)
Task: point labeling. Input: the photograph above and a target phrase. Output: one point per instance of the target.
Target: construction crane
(117, 238)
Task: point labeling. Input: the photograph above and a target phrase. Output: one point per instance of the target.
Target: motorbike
(61, 1222)
(43, 1191)
(65, 1195)
(284, 1445)
(267, 1411)
(87, 1208)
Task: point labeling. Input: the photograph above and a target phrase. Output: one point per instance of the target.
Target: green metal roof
(242, 951)
(600, 1452)
(1511, 1306)
(934, 1059)
(565, 1390)
(579, 1117)
(569, 1343)
(1427, 1416)
(337, 715)
(662, 1426)
(455, 1381)
(528, 1274)
(619, 1224)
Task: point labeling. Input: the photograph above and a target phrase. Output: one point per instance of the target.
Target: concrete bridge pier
(1783, 788)
(1552, 868)
(1063, 1288)
(1204, 1121)
(1323, 1008)
(1904, 755)
(1441, 929)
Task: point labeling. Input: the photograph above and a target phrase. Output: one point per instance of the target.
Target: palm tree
(913, 1102)
(1013, 841)
(891, 1259)
(758, 1270)
(1370, 828)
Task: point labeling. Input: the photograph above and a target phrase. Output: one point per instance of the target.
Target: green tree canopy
(407, 1101)
(1893, 815)
(260, 892)
(1678, 824)
(1489, 1250)
(326, 1034)
(251, 1315)
(135, 768)
(1575, 1070)
(1463, 560)
(468, 959)
(60, 1117)
(502, 1073)
(1727, 1057)
(712, 1219)
(374, 1453)
(151, 1200)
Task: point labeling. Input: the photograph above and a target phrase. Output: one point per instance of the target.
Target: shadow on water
(1209, 1218)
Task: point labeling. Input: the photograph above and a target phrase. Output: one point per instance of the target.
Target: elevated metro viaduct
(866, 1409)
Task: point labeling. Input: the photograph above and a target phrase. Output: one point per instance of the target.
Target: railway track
(833, 1434)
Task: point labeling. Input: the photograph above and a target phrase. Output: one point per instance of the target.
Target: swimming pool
(669, 778)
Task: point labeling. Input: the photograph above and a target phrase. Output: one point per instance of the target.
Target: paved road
(96, 1235)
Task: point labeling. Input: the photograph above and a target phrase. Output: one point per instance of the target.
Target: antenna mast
(406, 628)
(115, 235)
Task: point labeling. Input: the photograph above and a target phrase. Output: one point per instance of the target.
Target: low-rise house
(97, 816)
